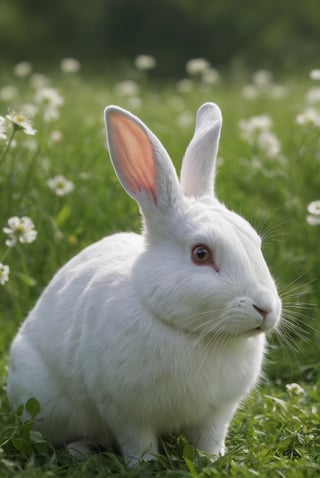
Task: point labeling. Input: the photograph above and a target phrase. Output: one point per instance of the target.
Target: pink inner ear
(132, 154)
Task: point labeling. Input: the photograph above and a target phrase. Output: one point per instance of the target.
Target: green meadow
(55, 170)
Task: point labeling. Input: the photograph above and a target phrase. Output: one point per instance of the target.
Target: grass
(276, 432)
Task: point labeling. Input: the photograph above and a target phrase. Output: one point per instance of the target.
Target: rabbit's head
(202, 270)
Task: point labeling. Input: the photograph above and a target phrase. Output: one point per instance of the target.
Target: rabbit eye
(201, 254)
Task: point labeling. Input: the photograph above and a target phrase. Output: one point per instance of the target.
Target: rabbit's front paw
(208, 437)
(141, 446)
(79, 450)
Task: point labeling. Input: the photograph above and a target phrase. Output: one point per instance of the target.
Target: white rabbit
(163, 332)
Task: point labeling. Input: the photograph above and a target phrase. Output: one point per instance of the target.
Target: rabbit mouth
(268, 324)
(256, 331)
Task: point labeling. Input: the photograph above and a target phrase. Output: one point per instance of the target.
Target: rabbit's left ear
(199, 162)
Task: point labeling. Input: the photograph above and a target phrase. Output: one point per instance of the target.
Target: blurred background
(282, 35)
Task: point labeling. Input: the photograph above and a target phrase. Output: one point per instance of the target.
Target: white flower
(51, 100)
(249, 128)
(4, 273)
(23, 69)
(70, 65)
(309, 117)
(278, 91)
(211, 76)
(145, 62)
(250, 91)
(295, 388)
(49, 96)
(30, 110)
(134, 102)
(127, 88)
(258, 123)
(313, 218)
(314, 208)
(184, 86)
(60, 185)
(38, 80)
(256, 131)
(3, 129)
(262, 78)
(20, 229)
(197, 66)
(269, 143)
(8, 93)
(185, 119)
(56, 136)
(315, 74)
(263, 86)
(313, 95)
(20, 122)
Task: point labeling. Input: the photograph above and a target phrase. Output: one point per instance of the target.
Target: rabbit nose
(262, 312)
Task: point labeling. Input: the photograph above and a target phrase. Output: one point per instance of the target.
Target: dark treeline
(276, 34)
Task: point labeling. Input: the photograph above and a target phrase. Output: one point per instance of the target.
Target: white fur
(131, 339)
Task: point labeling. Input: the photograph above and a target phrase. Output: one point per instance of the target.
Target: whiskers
(276, 230)
(272, 233)
(296, 325)
(210, 332)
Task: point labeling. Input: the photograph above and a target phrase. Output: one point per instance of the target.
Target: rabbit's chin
(255, 332)
(249, 323)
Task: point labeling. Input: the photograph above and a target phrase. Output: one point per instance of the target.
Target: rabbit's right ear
(199, 162)
(141, 163)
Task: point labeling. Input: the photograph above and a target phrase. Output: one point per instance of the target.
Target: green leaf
(188, 456)
(19, 411)
(21, 444)
(62, 216)
(33, 407)
(26, 279)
